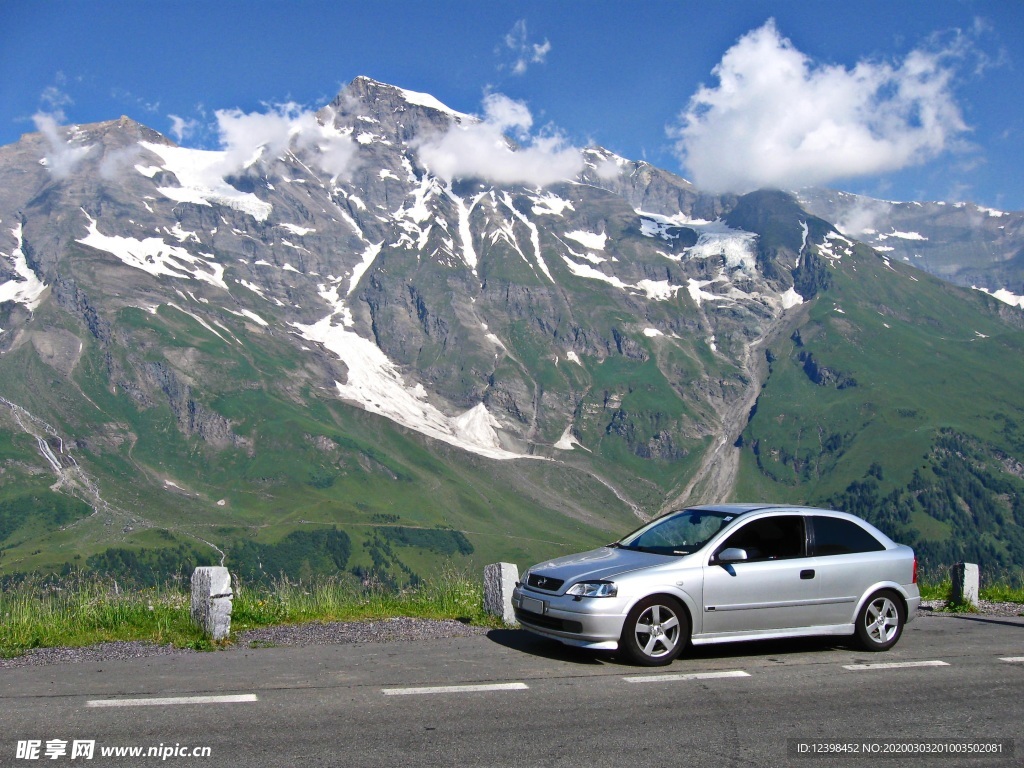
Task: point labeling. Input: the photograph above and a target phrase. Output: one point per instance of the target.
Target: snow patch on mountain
(550, 204)
(587, 271)
(594, 240)
(27, 289)
(695, 289)
(465, 230)
(426, 100)
(791, 298)
(714, 239)
(534, 234)
(250, 315)
(1004, 296)
(567, 440)
(491, 337)
(993, 212)
(368, 257)
(200, 176)
(477, 427)
(156, 257)
(658, 290)
(375, 383)
(734, 246)
(181, 235)
(651, 228)
(901, 235)
(200, 320)
(295, 229)
(835, 246)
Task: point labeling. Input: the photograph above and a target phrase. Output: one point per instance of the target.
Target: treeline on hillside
(51, 510)
(148, 567)
(387, 564)
(300, 556)
(966, 487)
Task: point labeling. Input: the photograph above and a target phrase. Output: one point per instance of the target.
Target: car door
(775, 588)
(847, 563)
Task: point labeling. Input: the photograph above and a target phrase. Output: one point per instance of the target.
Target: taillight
(914, 579)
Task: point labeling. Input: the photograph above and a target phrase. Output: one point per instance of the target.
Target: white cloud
(865, 216)
(523, 53)
(63, 157)
(255, 143)
(56, 99)
(183, 128)
(778, 119)
(481, 149)
(118, 160)
(257, 140)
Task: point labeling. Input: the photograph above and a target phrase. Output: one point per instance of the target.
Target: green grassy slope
(898, 397)
(289, 460)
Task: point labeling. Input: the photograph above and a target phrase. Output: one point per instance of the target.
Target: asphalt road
(351, 705)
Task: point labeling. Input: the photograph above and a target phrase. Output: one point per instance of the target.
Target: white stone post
(211, 600)
(966, 578)
(499, 581)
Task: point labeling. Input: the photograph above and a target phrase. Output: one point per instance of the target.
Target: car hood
(598, 564)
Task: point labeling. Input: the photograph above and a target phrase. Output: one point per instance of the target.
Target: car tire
(655, 632)
(880, 621)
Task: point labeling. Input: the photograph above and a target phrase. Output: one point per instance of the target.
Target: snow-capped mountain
(969, 245)
(320, 323)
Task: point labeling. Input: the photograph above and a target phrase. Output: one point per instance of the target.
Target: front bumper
(584, 622)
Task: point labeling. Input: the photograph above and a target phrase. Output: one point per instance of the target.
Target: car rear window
(837, 536)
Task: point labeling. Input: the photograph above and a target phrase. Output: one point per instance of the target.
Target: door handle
(807, 573)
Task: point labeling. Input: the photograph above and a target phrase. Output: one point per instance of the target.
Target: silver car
(725, 573)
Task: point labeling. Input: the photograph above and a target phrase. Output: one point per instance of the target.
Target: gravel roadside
(312, 633)
(985, 608)
(330, 633)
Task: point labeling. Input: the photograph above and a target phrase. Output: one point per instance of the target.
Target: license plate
(533, 606)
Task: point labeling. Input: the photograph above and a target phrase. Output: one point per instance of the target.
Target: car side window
(836, 536)
(778, 537)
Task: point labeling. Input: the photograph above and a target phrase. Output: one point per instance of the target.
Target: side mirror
(731, 555)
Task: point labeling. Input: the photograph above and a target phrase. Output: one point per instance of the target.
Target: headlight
(524, 578)
(593, 589)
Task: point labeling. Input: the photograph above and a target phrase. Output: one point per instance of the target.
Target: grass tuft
(77, 611)
(451, 595)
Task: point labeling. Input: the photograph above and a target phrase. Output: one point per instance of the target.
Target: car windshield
(678, 533)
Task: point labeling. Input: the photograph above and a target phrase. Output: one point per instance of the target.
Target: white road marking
(689, 676)
(455, 689)
(895, 665)
(161, 702)
(1013, 659)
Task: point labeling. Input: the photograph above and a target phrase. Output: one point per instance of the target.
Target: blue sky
(904, 101)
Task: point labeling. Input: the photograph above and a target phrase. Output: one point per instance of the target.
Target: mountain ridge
(314, 320)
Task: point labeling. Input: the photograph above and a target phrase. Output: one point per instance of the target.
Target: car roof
(743, 508)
